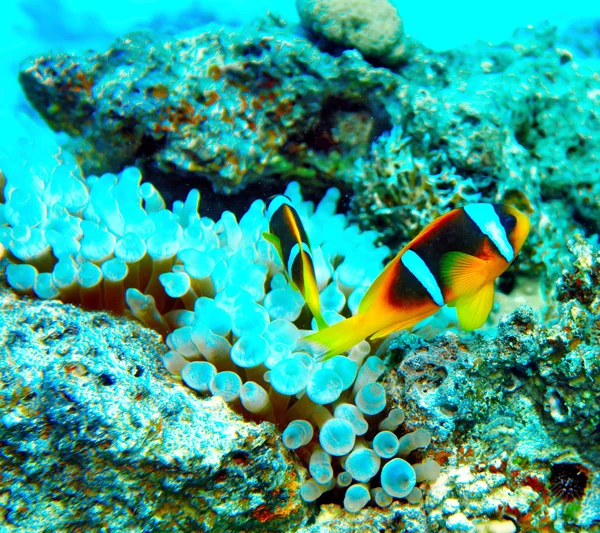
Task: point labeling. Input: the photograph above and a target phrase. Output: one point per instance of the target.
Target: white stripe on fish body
(487, 220)
(277, 202)
(294, 253)
(420, 270)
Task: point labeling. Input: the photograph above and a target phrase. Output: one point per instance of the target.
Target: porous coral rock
(504, 121)
(373, 27)
(515, 400)
(94, 431)
(229, 106)
(529, 361)
(581, 282)
(397, 517)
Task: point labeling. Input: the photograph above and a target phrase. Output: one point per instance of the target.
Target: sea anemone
(217, 292)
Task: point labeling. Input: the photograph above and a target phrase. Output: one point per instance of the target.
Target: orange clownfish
(287, 234)
(454, 261)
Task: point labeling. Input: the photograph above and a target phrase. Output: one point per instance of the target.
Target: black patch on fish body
(297, 272)
(458, 233)
(286, 225)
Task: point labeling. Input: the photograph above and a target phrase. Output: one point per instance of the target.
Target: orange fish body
(454, 261)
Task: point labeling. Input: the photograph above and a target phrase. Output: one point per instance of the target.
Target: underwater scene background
(183, 348)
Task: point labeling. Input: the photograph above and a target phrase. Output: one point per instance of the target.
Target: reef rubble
(94, 434)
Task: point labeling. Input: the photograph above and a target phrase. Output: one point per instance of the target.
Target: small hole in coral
(448, 409)
(107, 379)
(474, 121)
(240, 458)
(100, 320)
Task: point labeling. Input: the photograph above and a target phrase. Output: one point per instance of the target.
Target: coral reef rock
(373, 27)
(515, 403)
(229, 106)
(94, 432)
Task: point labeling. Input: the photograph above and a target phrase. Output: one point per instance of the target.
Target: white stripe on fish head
(487, 220)
(277, 202)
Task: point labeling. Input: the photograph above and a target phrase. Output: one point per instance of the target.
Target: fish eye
(510, 223)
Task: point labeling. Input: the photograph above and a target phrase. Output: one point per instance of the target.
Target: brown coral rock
(373, 27)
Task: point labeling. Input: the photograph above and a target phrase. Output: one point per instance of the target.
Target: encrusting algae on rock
(84, 397)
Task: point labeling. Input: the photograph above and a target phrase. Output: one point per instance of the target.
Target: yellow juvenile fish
(454, 261)
(287, 234)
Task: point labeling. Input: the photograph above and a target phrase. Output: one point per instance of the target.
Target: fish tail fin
(338, 338)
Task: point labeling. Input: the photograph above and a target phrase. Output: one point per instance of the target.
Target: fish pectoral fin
(273, 240)
(463, 273)
(403, 324)
(473, 308)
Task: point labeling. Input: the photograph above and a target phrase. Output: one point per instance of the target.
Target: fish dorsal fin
(473, 308)
(375, 288)
(462, 273)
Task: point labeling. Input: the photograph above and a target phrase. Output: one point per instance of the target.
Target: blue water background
(33, 27)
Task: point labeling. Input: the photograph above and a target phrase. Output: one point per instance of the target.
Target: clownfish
(287, 234)
(454, 261)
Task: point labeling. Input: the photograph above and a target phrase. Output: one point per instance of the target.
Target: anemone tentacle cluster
(231, 320)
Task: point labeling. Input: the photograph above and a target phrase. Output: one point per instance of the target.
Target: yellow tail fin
(338, 338)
